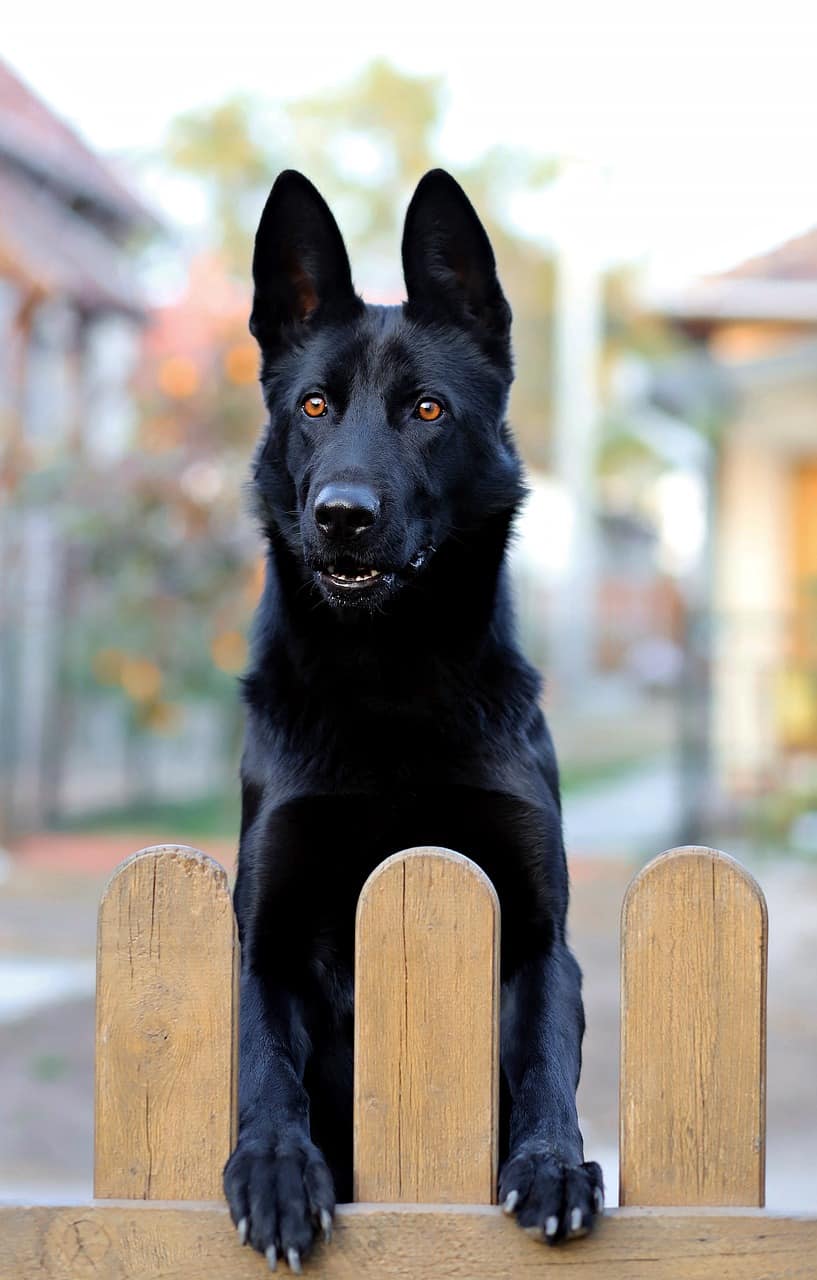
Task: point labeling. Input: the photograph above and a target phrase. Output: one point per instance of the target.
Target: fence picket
(165, 1028)
(426, 1031)
(693, 1033)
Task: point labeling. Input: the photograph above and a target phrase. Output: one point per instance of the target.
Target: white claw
(599, 1199)
(511, 1201)
(326, 1224)
(272, 1257)
(576, 1219)
(551, 1226)
(294, 1260)
(243, 1230)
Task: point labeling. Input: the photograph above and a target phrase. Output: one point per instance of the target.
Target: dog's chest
(317, 852)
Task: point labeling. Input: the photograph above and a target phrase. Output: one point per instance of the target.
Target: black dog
(388, 705)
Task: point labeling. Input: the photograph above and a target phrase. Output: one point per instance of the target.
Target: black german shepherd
(389, 706)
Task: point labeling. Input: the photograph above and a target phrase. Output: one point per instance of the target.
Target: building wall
(754, 591)
(752, 596)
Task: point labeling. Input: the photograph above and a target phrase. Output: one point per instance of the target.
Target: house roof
(780, 285)
(35, 138)
(64, 214)
(728, 298)
(48, 249)
(794, 260)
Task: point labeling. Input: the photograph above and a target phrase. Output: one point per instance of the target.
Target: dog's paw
(552, 1200)
(281, 1199)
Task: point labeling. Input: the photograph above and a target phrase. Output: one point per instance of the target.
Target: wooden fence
(425, 1106)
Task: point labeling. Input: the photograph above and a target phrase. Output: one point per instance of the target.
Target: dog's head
(387, 433)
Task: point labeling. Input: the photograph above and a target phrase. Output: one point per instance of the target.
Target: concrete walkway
(636, 815)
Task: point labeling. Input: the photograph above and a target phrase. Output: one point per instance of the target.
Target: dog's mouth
(345, 577)
(353, 577)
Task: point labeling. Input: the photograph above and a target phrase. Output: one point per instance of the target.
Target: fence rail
(426, 1069)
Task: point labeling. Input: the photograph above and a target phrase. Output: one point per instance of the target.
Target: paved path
(631, 816)
(28, 983)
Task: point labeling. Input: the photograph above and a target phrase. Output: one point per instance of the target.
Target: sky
(691, 130)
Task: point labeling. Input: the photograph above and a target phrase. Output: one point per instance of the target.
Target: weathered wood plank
(693, 1033)
(165, 1036)
(150, 1241)
(426, 1031)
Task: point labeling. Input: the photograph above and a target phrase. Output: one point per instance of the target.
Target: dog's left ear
(449, 265)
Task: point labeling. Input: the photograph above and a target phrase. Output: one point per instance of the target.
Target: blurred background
(649, 184)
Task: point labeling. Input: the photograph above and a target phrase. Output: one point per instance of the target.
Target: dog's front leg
(277, 1183)
(545, 1179)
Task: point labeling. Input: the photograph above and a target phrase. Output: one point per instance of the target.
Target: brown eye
(429, 410)
(314, 406)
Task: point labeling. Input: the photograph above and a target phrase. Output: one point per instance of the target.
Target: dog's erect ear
(448, 263)
(300, 266)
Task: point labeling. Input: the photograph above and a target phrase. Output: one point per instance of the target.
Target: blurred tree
(165, 569)
(219, 149)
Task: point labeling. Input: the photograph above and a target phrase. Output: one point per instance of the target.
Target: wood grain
(165, 1035)
(133, 1241)
(693, 1033)
(426, 1031)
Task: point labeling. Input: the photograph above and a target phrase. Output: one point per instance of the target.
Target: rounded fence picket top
(693, 1033)
(426, 1031)
(165, 1028)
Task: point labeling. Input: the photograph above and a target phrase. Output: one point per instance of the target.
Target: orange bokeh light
(179, 377)
(141, 679)
(241, 363)
(229, 651)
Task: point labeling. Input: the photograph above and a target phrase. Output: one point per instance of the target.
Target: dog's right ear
(300, 266)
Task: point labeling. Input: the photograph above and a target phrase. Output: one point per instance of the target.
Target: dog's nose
(346, 510)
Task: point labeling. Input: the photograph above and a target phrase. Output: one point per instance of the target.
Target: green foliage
(389, 120)
(220, 150)
(48, 1067)
(205, 817)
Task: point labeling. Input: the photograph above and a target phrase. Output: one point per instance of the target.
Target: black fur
(390, 713)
